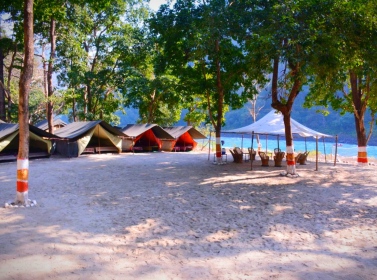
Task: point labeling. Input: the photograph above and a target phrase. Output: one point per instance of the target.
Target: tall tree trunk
(2, 89)
(45, 71)
(220, 106)
(74, 114)
(50, 88)
(8, 90)
(23, 107)
(359, 113)
(285, 109)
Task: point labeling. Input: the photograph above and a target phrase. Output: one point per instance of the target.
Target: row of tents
(74, 139)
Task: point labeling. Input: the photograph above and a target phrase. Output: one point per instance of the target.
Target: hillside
(333, 124)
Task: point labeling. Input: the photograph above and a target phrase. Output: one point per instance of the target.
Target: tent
(57, 123)
(273, 124)
(40, 144)
(184, 138)
(144, 137)
(88, 137)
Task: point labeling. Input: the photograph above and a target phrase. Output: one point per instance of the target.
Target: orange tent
(184, 138)
(144, 137)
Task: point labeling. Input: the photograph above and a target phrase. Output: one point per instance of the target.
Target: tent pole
(242, 142)
(316, 152)
(99, 143)
(336, 148)
(324, 148)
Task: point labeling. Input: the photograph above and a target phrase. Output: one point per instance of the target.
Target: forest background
(149, 93)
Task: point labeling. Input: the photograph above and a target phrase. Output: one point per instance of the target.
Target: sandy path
(178, 216)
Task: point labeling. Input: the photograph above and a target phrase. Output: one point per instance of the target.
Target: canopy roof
(135, 130)
(76, 130)
(273, 124)
(177, 131)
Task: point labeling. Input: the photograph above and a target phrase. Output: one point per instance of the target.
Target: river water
(271, 142)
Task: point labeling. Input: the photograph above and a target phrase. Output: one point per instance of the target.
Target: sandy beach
(179, 216)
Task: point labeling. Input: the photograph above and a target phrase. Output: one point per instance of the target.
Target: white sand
(178, 216)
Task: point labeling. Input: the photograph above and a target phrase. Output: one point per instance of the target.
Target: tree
(91, 53)
(153, 93)
(2, 90)
(13, 63)
(347, 78)
(283, 37)
(46, 18)
(23, 115)
(10, 45)
(199, 49)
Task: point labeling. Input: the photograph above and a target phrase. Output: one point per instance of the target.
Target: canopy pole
(99, 141)
(251, 155)
(316, 152)
(266, 143)
(336, 148)
(278, 143)
(324, 148)
(242, 143)
(306, 149)
(209, 146)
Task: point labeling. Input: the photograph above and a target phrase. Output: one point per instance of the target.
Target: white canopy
(273, 124)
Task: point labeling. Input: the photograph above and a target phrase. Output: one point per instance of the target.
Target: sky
(155, 4)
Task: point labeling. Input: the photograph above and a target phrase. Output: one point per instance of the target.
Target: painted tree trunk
(291, 163)
(362, 157)
(359, 113)
(286, 108)
(23, 107)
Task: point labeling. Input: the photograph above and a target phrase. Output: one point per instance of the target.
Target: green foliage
(153, 93)
(92, 58)
(347, 79)
(198, 48)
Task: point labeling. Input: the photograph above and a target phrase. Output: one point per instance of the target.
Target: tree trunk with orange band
(23, 107)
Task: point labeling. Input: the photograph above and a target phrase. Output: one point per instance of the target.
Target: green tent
(40, 144)
(88, 137)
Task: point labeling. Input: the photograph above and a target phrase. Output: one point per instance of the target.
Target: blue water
(346, 150)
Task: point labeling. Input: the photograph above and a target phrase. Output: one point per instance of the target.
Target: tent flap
(84, 140)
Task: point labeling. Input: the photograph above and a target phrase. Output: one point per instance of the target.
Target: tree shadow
(147, 215)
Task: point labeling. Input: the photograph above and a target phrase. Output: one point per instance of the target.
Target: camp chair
(297, 157)
(252, 153)
(302, 158)
(278, 158)
(264, 158)
(237, 155)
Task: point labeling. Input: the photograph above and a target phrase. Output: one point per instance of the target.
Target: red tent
(184, 138)
(144, 137)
